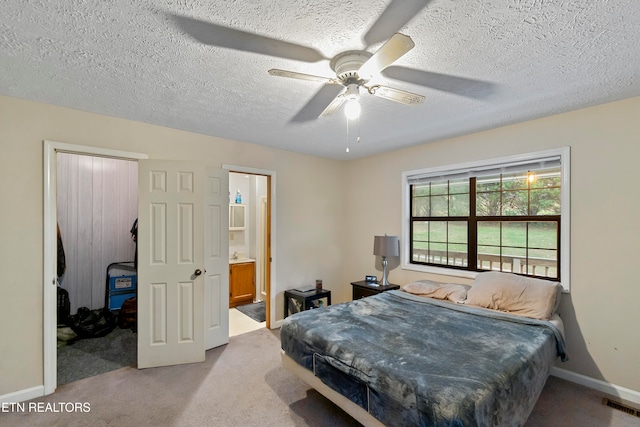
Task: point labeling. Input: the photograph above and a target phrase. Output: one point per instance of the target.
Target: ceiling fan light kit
(352, 105)
(352, 109)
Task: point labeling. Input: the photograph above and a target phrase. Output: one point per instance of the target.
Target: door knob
(197, 272)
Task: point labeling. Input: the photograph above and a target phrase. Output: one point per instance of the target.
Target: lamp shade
(386, 246)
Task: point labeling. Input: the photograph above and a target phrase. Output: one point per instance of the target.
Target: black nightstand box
(296, 300)
(363, 289)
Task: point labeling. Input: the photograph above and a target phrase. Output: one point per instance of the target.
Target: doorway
(50, 276)
(250, 248)
(97, 205)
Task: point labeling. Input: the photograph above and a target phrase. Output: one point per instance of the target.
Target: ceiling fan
(354, 69)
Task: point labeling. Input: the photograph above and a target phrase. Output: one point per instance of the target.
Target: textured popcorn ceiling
(133, 59)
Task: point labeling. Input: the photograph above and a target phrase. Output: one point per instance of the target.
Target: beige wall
(601, 313)
(310, 226)
(324, 228)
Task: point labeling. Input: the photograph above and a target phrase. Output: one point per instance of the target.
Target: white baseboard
(603, 386)
(22, 395)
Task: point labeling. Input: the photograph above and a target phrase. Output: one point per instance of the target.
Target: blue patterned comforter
(413, 361)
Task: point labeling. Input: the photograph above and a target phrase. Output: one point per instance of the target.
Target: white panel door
(170, 263)
(216, 249)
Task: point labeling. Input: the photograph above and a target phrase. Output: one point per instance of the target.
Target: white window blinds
(525, 165)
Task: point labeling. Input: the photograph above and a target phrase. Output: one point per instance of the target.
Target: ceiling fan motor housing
(347, 64)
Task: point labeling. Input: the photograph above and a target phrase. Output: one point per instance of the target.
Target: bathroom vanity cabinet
(242, 283)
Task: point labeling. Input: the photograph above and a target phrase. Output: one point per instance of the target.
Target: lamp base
(384, 281)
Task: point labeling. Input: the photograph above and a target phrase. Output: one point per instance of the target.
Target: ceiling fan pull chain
(347, 135)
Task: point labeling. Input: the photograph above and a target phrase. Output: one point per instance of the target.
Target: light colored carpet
(240, 384)
(93, 356)
(243, 384)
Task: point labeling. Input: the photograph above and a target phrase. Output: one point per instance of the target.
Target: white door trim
(50, 251)
(261, 289)
(272, 196)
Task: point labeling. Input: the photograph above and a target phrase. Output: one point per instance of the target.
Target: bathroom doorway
(250, 249)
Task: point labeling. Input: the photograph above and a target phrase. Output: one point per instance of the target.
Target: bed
(403, 359)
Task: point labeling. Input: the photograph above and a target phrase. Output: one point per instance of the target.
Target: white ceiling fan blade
(318, 103)
(334, 105)
(396, 95)
(394, 48)
(299, 76)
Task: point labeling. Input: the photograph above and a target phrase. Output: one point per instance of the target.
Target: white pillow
(428, 288)
(524, 296)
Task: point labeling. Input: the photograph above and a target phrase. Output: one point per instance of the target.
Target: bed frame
(358, 413)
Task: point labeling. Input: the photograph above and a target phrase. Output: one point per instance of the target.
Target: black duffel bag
(92, 323)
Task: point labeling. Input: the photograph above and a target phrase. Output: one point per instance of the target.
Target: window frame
(565, 211)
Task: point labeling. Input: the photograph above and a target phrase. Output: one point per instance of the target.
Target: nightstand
(363, 289)
(299, 300)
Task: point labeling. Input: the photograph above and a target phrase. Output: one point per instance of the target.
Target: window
(505, 214)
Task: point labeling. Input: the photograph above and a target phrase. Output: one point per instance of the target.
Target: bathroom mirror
(236, 217)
